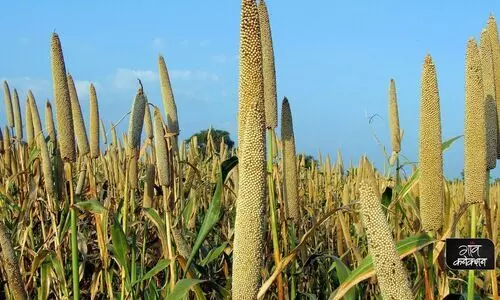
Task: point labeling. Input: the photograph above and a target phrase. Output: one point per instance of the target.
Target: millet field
(87, 212)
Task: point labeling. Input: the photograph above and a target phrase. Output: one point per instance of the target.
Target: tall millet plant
(430, 153)
(475, 177)
(271, 111)
(66, 143)
(250, 204)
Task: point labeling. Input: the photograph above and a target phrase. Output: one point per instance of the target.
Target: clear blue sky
(334, 60)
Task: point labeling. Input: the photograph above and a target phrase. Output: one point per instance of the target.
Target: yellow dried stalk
(268, 70)
(391, 274)
(430, 153)
(250, 204)
(495, 47)
(394, 118)
(489, 99)
(65, 129)
(475, 128)
(251, 79)
(8, 105)
(94, 123)
(168, 98)
(18, 123)
(49, 122)
(42, 145)
(290, 189)
(78, 122)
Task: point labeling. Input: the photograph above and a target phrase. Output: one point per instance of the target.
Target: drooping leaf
(120, 244)
(154, 217)
(92, 206)
(213, 254)
(365, 269)
(386, 198)
(182, 287)
(447, 144)
(343, 273)
(213, 213)
(160, 266)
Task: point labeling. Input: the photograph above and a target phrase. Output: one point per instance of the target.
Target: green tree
(217, 136)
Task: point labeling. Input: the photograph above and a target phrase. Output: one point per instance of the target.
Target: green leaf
(182, 287)
(120, 244)
(447, 144)
(151, 293)
(386, 199)
(59, 271)
(403, 191)
(213, 213)
(160, 266)
(39, 259)
(188, 209)
(92, 206)
(343, 273)
(227, 166)
(213, 254)
(365, 269)
(33, 155)
(154, 217)
(44, 281)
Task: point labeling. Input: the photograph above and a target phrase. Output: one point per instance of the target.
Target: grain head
(394, 118)
(148, 123)
(250, 207)
(137, 119)
(475, 127)
(290, 189)
(29, 123)
(251, 80)
(65, 128)
(78, 122)
(162, 162)
(11, 265)
(168, 98)
(94, 123)
(391, 274)
(42, 145)
(8, 104)
(49, 122)
(492, 32)
(6, 147)
(18, 123)
(430, 153)
(489, 99)
(2, 150)
(148, 186)
(268, 69)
